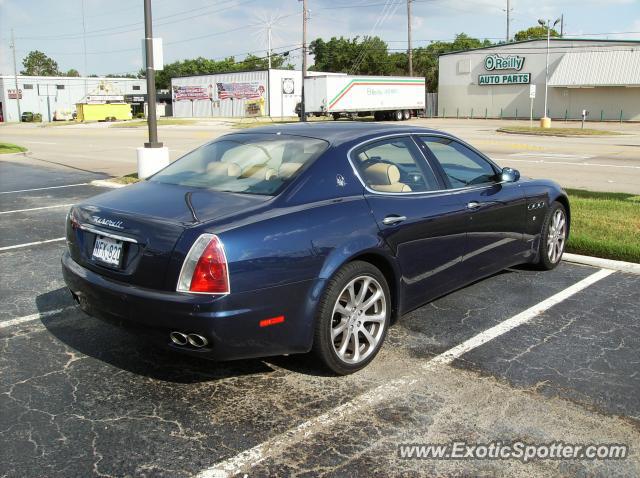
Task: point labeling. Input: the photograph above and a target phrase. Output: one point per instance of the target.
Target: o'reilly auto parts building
(600, 76)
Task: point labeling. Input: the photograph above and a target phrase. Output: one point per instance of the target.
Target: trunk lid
(147, 219)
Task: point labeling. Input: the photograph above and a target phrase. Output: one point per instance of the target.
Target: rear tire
(406, 115)
(378, 115)
(553, 237)
(336, 116)
(398, 115)
(353, 318)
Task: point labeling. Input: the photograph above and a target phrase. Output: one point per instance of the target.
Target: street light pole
(153, 156)
(409, 46)
(546, 74)
(151, 79)
(545, 122)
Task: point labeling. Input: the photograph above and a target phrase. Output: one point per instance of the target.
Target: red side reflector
(272, 321)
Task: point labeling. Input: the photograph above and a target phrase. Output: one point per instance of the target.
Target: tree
(425, 60)
(205, 66)
(72, 72)
(368, 56)
(37, 63)
(533, 33)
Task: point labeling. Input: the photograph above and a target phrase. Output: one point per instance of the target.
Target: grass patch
(126, 179)
(537, 131)
(6, 148)
(161, 122)
(605, 225)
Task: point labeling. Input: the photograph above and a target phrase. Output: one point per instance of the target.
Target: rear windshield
(244, 163)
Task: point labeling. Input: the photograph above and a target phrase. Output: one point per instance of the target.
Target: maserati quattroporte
(305, 237)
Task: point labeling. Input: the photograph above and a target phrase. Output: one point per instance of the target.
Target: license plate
(107, 250)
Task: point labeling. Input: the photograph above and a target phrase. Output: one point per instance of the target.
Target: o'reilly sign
(497, 62)
(511, 62)
(508, 79)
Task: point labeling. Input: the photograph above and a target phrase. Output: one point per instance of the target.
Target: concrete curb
(105, 183)
(621, 266)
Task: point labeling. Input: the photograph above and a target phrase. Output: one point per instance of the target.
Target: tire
(553, 237)
(340, 313)
(336, 116)
(398, 115)
(406, 115)
(378, 115)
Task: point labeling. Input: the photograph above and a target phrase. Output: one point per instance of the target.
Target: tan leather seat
(219, 168)
(384, 177)
(286, 170)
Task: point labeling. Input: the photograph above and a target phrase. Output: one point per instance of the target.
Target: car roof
(338, 132)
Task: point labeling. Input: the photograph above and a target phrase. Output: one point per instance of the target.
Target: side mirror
(509, 175)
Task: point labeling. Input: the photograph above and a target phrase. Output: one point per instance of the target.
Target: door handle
(473, 205)
(390, 220)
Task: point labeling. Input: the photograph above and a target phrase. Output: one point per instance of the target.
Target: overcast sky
(221, 28)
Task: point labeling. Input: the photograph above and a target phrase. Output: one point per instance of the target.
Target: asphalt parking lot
(523, 355)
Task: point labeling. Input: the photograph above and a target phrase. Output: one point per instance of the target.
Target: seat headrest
(382, 173)
(293, 152)
(287, 170)
(224, 169)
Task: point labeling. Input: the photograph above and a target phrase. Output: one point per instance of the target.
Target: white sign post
(532, 95)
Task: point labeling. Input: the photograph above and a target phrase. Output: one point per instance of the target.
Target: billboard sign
(242, 90)
(190, 93)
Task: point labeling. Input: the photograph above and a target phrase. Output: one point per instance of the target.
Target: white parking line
(38, 142)
(280, 443)
(29, 244)
(32, 317)
(36, 208)
(42, 189)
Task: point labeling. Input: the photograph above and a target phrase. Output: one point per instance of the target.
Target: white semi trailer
(384, 97)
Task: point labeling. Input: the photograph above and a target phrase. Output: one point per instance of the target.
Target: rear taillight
(205, 269)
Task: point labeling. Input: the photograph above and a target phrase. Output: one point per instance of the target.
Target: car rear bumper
(230, 323)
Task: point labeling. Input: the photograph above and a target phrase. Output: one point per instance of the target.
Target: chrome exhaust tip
(197, 340)
(178, 338)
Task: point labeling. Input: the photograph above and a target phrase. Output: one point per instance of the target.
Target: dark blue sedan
(305, 237)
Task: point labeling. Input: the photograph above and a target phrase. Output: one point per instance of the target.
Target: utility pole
(151, 79)
(84, 46)
(562, 25)
(409, 48)
(15, 74)
(508, 20)
(269, 44)
(303, 115)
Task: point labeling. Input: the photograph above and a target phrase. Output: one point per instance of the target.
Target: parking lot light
(545, 121)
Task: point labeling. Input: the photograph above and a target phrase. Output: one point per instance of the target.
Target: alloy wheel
(358, 319)
(556, 236)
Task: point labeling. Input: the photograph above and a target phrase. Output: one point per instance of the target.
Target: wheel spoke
(356, 347)
(337, 330)
(377, 318)
(363, 291)
(370, 338)
(340, 309)
(352, 294)
(346, 338)
(371, 300)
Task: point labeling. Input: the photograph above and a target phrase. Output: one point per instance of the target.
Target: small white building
(239, 94)
(599, 76)
(53, 96)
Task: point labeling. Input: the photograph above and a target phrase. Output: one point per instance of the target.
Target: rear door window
(394, 165)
